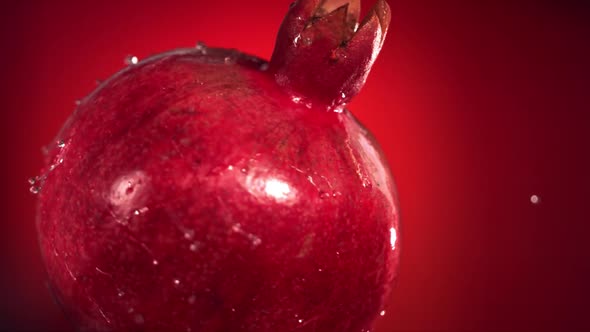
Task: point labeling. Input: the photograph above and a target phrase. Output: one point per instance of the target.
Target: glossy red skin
(192, 194)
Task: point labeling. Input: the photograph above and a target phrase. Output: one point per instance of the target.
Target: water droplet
(201, 48)
(324, 195)
(176, 282)
(35, 190)
(229, 60)
(189, 234)
(120, 294)
(193, 247)
(296, 40)
(343, 95)
(244, 170)
(535, 199)
(320, 270)
(155, 262)
(307, 41)
(131, 60)
(300, 321)
(256, 241)
(382, 313)
(77, 102)
(60, 144)
(233, 309)
(32, 180)
(338, 109)
(137, 212)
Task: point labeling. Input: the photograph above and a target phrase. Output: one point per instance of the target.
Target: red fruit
(206, 190)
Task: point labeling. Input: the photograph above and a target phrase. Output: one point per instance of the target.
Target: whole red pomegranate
(207, 190)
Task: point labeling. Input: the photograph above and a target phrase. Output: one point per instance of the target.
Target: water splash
(36, 182)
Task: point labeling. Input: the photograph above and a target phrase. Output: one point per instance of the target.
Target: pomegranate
(208, 190)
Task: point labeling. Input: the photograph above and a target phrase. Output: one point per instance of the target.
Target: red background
(477, 104)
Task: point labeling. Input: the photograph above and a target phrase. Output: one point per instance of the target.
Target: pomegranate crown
(323, 54)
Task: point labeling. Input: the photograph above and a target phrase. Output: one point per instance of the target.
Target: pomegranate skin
(190, 192)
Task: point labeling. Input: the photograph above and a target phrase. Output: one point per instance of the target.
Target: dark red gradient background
(477, 104)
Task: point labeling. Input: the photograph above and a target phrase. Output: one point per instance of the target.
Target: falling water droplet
(120, 294)
(324, 195)
(155, 262)
(300, 321)
(382, 313)
(131, 60)
(244, 170)
(176, 282)
(535, 199)
(193, 247)
(32, 180)
(35, 190)
(60, 144)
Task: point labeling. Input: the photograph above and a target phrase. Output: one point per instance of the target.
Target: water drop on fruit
(224, 192)
(131, 60)
(201, 48)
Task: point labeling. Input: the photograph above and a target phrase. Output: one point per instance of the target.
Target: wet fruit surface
(191, 192)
